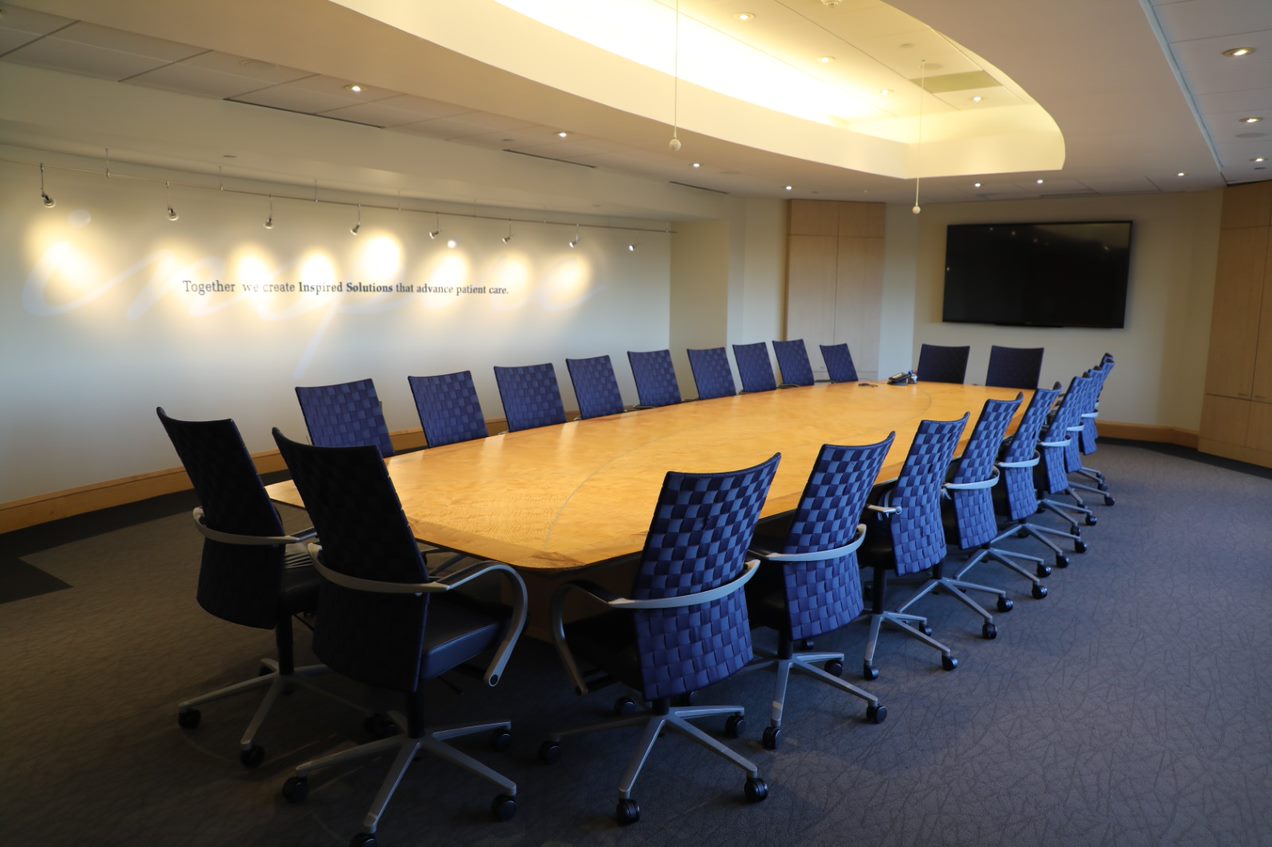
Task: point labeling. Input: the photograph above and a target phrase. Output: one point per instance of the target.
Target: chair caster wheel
(734, 725)
(1005, 605)
(251, 757)
(834, 667)
(189, 719)
(807, 644)
(628, 811)
(1043, 571)
(1062, 561)
(869, 672)
(625, 706)
(876, 713)
(500, 740)
(1109, 501)
(772, 738)
(503, 807)
(380, 726)
(1092, 520)
(364, 839)
(296, 789)
(756, 789)
(550, 752)
(1079, 547)
(1039, 591)
(949, 662)
(923, 628)
(988, 632)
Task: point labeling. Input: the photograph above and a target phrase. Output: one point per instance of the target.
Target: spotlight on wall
(48, 201)
(505, 239)
(631, 246)
(172, 213)
(269, 220)
(452, 243)
(437, 227)
(574, 242)
(357, 226)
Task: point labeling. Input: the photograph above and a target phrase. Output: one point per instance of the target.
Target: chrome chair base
(807, 662)
(905, 623)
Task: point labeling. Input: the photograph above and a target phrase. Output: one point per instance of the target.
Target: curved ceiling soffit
(762, 93)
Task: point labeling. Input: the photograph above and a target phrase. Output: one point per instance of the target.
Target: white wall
(1161, 352)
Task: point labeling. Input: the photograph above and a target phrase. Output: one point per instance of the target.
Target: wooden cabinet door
(1234, 324)
(1261, 388)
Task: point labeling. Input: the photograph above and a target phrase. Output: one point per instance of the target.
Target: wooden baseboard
(43, 508)
(1239, 452)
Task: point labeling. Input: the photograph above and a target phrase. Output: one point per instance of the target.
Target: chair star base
(903, 622)
(1011, 560)
(807, 662)
(958, 588)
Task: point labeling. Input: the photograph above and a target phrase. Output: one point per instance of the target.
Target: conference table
(556, 499)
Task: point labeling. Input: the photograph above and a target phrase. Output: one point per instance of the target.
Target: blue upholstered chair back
(754, 367)
(711, 373)
(918, 533)
(697, 540)
(595, 386)
(839, 366)
(942, 364)
(1089, 431)
(792, 361)
(237, 583)
(655, 377)
(823, 596)
(1018, 483)
(448, 407)
(347, 414)
(1014, 367)
(1053, 475)
(377, 639)
(974, 508)
(531, 396)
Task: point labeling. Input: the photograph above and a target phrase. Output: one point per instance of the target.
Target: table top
(568, 496)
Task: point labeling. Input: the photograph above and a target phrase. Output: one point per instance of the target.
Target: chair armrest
(882, 511)
(455, 579)
(973, 486)
(1064, 443)
(1074, 428)
(1023, 463)
(614, 602)
(1091, 415)
(814, 555)
(236, 538)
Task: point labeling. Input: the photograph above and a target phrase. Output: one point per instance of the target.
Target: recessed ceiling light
(1254, 119)
(1238, 52)
(977, 98)
(976, 185)
(697, 164)
(563, 134)
(1039, 181)
(885, 92)
(1181, 173)
(1259, 159)
(790, 188)
(354, 87)
(826, 60)
(229, 155)
(746, 16)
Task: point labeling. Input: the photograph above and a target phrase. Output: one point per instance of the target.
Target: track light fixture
(48, 201)
(918, 146)
(357, 226)
(631, 246)
(437, 227)
(505, 239)
(172, 213)
(269, 219)
(574, 242)
(674, 143)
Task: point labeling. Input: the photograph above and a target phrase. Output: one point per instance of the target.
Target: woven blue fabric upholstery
(1014, 367)
(825, 595)
(595, 386)
(448, 407)
(1052, 476)
(347, 414)
(1017, 484)
(697, 540)
(377, 639)
(711, 373)
(942, 364)
(531, 396)
(839, 364)
(754, 367)
(792, 360)
(918, 534)
(237, 583)
(974, 508)
(1089, 431)
(1085, 401)
(655, 377)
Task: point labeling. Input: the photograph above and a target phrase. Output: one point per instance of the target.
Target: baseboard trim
(43, 508)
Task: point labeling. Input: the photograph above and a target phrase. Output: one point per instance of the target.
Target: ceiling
(1140, 91)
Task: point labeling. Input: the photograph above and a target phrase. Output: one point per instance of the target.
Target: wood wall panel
(813, 217)
(1259, 430)
(1247, 205)
(810, 291)
(1261, 385)
(1234, 323)
(1225, 419)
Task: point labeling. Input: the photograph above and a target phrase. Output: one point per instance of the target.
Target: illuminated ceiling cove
(837, 84)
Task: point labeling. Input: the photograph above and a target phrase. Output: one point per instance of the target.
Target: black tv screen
(1038, 274)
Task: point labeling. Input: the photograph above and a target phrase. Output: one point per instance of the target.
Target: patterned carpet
(1133, 706)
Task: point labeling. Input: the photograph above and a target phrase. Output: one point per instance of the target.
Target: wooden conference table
(559, 498)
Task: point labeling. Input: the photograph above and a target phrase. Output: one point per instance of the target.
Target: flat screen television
(1038, 274)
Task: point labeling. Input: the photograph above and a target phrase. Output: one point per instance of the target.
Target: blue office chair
(347, 414)
(792, 361)
(942, 364)
(655, 378)
(754, 367)
(531, 396)
(711, 373)
(1059, 439)
(839, 366)
(969, 513)
(247, 575)
(685, 625)
(1090, 434)
(449, 409)
(595, 387)
(908, 535)
(1014, 367)
(809, 583)
(385, 621)
(1016, 499)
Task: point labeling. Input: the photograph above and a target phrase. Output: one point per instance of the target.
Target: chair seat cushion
(608, 642)
(458, 630)
(300, 585)
(766, 599)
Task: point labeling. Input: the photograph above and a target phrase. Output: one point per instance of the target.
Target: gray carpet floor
(1133, 706)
